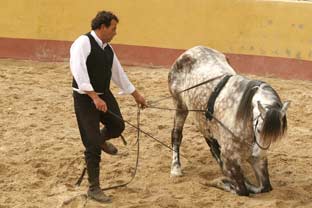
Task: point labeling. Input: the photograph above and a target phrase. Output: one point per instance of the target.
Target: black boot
(95, 192)
(107, 147)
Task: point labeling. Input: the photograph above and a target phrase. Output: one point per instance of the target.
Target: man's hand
(139, 99)
(98, 102)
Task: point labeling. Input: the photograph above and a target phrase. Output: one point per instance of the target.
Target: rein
(147, 134)
(255, 138)
(187, 89)
(208, 113)
(138, 154)
(139, 130)
(195, 110)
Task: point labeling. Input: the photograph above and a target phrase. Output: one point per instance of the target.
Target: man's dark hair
(103, 17)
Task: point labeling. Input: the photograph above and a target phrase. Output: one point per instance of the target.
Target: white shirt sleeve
(120, 78)
(79, 53)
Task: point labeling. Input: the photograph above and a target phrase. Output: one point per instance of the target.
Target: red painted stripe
(263, 65)
(45, 50)
(51, 50)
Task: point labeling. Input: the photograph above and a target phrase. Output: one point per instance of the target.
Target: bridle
(255, 128)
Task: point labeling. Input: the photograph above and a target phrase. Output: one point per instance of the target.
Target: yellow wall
(270, 28)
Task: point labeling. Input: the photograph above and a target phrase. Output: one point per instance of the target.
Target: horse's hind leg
(214, 149)
(176, 139)
(260, 166)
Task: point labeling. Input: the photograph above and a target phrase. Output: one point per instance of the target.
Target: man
(93, 64)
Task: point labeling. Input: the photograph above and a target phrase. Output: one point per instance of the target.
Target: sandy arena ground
(42, 155)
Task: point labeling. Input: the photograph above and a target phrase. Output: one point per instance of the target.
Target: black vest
(99, 65)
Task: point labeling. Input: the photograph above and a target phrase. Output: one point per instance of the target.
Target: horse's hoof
(242, 192)
(176, 172)
(267, 189)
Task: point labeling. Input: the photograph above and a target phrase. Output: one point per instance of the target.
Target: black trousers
(89, 118)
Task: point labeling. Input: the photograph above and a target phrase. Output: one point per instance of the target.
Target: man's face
(108, 33)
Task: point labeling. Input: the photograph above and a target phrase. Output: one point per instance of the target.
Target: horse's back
(201, 58)
(197, 65)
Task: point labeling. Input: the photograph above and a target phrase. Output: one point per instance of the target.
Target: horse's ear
(261, 109)
(284, 108)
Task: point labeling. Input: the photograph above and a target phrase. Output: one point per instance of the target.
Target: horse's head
(261, 104)
(269, 115)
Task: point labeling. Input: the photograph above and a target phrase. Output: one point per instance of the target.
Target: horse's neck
(264, 95)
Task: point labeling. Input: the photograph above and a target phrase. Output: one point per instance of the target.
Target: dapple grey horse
(246, 117)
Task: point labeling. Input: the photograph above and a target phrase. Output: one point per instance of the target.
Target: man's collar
(98, 40)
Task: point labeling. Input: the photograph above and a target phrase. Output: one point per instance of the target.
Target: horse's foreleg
(176, 139)
(222, 183)
(214, 149)
(260, 166)
(232, 170)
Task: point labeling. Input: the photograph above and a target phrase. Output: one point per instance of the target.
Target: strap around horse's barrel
(212, 99)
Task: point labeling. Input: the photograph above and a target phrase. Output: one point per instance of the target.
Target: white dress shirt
(79, 52)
